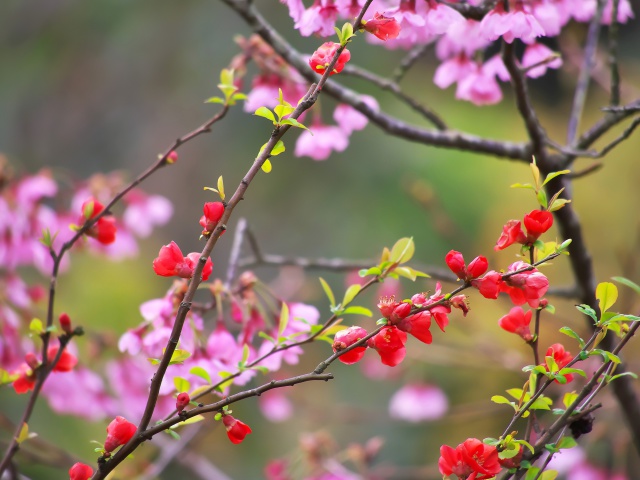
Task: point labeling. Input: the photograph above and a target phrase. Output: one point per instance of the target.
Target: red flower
(389, 343)
(517, 321)
(67, 360)
(65, 323)
(213, 212)
(386, 305)
(236, 430)
(511, 233)
(119, 432)
(182, 401)
(525, 287)
(537, 222)
(80, 471)
(460, 301)
(322, 57)
(418, 325)
(104, 230)
(455, 261)
(170, 262)
(346, 338)
(489, 285)
(469, 460)
(26, 379)
(385, 28)
(561, 357)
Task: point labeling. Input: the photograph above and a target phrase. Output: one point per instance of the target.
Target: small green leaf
(567, 371)
(245, 355)
(181, 384)
(536, 174)
(369, 271)
(179, 356)
(265, 113)
(202, 373)
(36, 327)
(356, 310)
(499, 399)
(630, 374)
(188, 421)
(278, 149)
(226, 76)
(266, 166)
(214, 100)
(239, 96)
(566, 442)
(558, 203)
(607, 294)
(382, 321)
(541, 196)
(628, 283)
(350, 294)
(587, 310)
(328, 292)
(523, 185)
(564, 245)
(221, 187)
(526, 444)
(294, 123)
(553, 175)
(283, 110)
(24, 434)
(569, 398)
(402, 250)
(284, 319)
(567, 331)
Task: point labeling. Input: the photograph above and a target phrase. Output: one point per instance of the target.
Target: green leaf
(558, 203)
(630, 374)
(24, 434)
(266, 166)
(328, 292)
(382, 321)
(239, 96)
(356, 310)
(278, 148)
(500, 400)
(567, 331)
(267, 337)
(569, 398)
(402, 251)
(526, 444)
(567, 371)
(587, 310)
(202, 373)
(226, 76)
(179, 356)
(564, 245)
(607, 294)
(294, 123)
(283, 110)
(553, 175)
(566, 442)
(532, 473)
(181, 384)
(536, 173)
(523, 185)
(36, 327)
(350, 294)
(628, 283)
(284, 319)
(369, 271)
(214, 100)
(188, 421)
(245, 355)
(266, 113)
(541, 196)
(221, 187)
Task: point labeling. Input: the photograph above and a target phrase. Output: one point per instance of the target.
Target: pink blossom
(418, 402)
(324, 140)
(453, 70)
(318, 19)
(264, 90)
(296, 9)
(625, 12)
(461, 37)
(479, 87)
(536, 53)
(440, 18)
(525, 287)
(275, 405)
(144, 212)
(349, 119)
(517, 23)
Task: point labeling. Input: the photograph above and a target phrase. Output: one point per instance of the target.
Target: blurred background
(90, 87)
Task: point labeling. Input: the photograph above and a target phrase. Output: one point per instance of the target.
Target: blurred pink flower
(418, 402)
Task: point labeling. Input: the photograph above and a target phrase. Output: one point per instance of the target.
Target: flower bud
(80, 471)
(182, 401)
(344, 339)
(65, 323)
(119, 432)
(172, 157)
(236, 430)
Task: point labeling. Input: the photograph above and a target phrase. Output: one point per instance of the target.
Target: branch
(393, 87)
(580, 93)
(614, 99)
(447, 139)
(409, 60)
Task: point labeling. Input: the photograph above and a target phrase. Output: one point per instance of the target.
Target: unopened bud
(65, 323)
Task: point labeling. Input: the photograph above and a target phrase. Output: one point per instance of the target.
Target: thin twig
(614, 99)
(391, 86)
(236, 248)
(582, 86)
(415, 54)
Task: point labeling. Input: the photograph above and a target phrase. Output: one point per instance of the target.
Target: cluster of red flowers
(171, 263)
(104, 230)
(471, 460)
(536, 222)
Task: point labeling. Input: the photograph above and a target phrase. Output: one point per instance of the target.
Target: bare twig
(391, 86)
(409, 61)
(614, 99)
(580, 93)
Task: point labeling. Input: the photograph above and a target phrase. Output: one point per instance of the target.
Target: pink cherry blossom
(325, 139)
(536, 53)
(418, 402)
